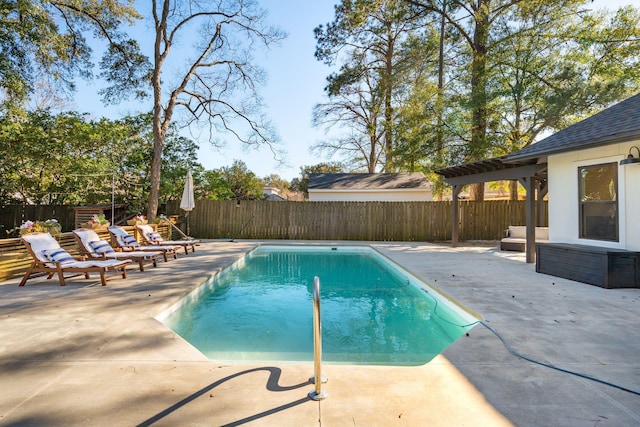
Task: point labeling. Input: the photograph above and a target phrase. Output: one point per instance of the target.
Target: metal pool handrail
(317, 393)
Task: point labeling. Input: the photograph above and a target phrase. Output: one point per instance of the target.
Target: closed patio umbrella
(188, 202)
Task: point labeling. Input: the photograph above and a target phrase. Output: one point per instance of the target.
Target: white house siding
(370, 196)
(563, 195)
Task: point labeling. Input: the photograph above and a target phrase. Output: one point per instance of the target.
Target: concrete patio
(90, 355)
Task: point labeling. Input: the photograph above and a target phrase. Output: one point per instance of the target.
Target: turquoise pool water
(373, 312)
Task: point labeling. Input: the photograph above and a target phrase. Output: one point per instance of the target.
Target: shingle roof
(368, 181)
(618, 123)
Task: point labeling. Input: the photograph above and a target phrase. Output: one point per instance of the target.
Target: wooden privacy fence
(374, 221)
(14, 215)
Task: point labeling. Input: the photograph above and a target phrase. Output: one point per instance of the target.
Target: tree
(218, 86)
(546, 79)
(178, 157)
(481, 14)
(371, 37)
(243, 183)
(126, 147)
(534, 61)
(42, 153)
(46, 39)
(214, 187)
(550, 77)
(276, 181)
(70, 159)
(356, 107)
(420, 130)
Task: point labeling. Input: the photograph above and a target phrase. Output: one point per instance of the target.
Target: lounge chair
(152, 237)
(91, 245)
(49, 258)
(126, 241)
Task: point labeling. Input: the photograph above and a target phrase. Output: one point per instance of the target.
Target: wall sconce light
(630, 159)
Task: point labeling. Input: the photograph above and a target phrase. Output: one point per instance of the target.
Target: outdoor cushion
(58, 255)
(128, 240)
(101, 247)
(155, 236)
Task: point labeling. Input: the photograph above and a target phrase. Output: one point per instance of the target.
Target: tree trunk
(159, 119)
(513, 189)
(372, 162)
(388, 107)
(440, 101)
(476, 191)
(477, 148)
(156, 161)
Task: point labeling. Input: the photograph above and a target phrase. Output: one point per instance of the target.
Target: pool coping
(95, 355)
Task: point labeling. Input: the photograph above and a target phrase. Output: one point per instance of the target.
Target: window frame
(582, 234)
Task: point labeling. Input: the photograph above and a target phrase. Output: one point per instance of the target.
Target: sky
(295, 84)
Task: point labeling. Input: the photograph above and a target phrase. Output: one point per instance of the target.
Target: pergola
(532, 176)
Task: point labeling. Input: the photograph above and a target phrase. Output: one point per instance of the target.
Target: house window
(598, 186)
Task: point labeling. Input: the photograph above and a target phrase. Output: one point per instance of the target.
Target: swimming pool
(373, 311)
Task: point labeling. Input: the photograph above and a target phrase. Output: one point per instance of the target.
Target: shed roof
(368, 181)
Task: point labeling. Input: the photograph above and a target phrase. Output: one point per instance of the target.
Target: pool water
(373, 312)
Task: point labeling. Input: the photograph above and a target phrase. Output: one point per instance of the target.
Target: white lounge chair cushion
(58, 255)
(39, 243)
(101, 247)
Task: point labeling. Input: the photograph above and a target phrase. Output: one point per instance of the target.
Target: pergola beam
(517, 172)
